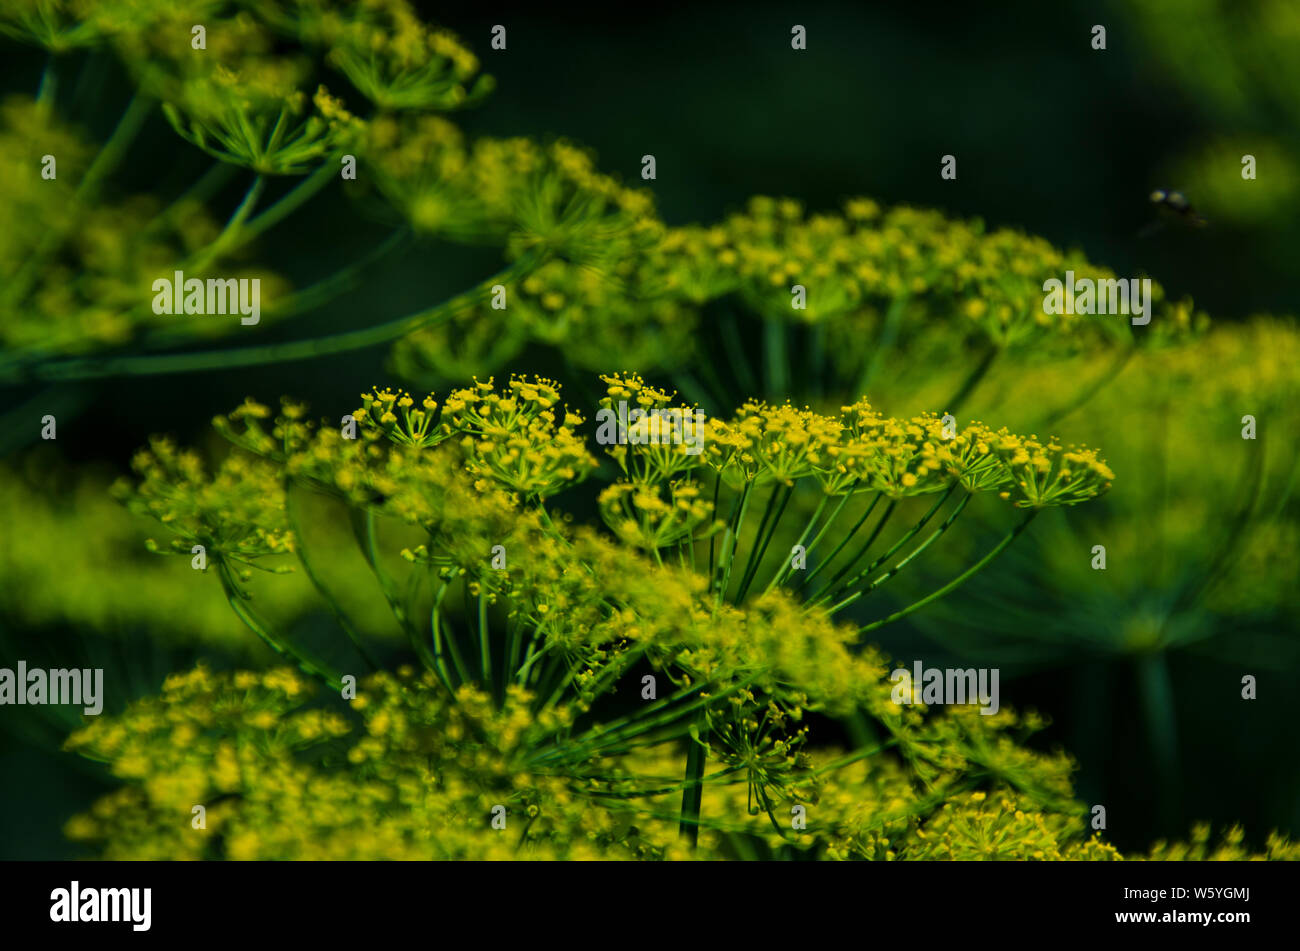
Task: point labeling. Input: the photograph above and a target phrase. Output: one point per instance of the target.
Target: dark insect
(1175, 204)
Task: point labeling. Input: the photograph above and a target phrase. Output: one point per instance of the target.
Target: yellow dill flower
(641, 516)
(1050, 474)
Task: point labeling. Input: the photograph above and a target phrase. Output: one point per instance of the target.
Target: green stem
(1091, 390)
(717, 488)
(774, 355)
(760, 550)
(893, 322)
(49, 87)
(531, 657)
(484, 642)
(435, 635)
(722, 399)
(340, 615)
(857, 556)
(363, 527)
(93, 367)
(817, 358)
(693, 791)
(956, 582)
(115, 149)
(1162, 732)
(239, 599)
(947, 523)
(230, 235)
(834, 591)
(289, 203)
(785, 567)
(600, 739)
(728, 554)
(736, 353)
(803, 584)
(973, 380)
(208, 184)
(458, 662)
(642, 713)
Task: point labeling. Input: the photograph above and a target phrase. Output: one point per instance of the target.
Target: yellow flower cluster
(1045, 475)
(862, 450)
(909, 274)
(424, 776)
(516, 437)
(430, 761)
(866, 255)
(392, 58)
(428, 773)
(415, 425)
(641, 516)
(666, 439)
(592, 608)
(1231, 848)
(237, 513)
(546, 197)
(1004, 827)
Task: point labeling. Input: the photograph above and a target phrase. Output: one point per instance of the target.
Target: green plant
(692, 680)
(511, 609)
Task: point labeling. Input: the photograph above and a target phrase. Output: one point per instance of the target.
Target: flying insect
(1173, 207)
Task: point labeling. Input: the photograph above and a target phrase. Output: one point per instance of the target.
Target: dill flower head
(591, 608)
(408, 772)
(902, 464)
(241, 101)
(968, 457)
(517, 437)
(763, 444)
(236, 513)
(1050, 474)
(850, 262)
(1002, 826)
(568, 208)
(545, 198)
(936, 287)
(394, 60)
(423, 167)
(400, 419)
(650, 439)
(650, 516)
